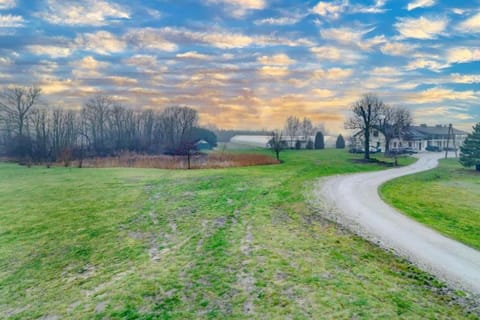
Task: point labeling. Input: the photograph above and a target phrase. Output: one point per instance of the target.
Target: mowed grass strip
(229, 243)
(446, 199)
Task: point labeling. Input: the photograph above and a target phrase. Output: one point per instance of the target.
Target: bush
(309, 144)
(298, 145)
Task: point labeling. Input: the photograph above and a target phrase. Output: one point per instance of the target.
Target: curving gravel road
(354, 202)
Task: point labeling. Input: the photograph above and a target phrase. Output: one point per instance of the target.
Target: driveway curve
(354, 202)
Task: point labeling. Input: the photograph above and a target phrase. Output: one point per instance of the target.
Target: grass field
(446, 198)
(228, 243)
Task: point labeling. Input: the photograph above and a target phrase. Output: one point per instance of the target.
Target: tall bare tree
(177, 123)
(307, 128)
(292, 129)
(17, 104)
(367, 112)
(96, 112)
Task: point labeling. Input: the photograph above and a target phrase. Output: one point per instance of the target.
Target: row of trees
(298, 131)
(101, 128)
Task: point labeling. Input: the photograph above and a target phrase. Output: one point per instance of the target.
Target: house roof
(435, 130)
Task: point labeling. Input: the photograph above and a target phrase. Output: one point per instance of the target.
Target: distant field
(446, 198)
(227, 243)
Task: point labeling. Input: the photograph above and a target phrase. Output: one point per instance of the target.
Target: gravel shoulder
(353, 201)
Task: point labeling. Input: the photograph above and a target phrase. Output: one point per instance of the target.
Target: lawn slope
(230, 243)
(446, 198)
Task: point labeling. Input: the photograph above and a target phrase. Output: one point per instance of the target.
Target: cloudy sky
(249, 63)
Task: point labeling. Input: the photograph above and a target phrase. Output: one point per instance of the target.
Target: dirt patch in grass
(199, 161)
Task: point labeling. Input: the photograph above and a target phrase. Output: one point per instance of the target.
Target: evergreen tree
(319, 141)
(470, 151)
(340, 144)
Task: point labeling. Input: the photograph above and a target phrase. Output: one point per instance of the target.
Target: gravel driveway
(353, 201)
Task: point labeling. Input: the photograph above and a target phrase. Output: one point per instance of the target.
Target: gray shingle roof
(435, 130)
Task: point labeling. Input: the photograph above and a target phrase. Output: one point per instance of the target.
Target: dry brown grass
(202, 161)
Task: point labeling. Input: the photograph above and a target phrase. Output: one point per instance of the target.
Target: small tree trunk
(387, 146)
(367, 145)
(477, 167)
(278, 154)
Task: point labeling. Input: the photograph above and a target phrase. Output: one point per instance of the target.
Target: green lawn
(446, 198)
(230, 243)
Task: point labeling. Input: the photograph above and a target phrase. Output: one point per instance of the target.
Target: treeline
(29, 131)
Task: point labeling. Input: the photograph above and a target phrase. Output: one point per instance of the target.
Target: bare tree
(16, 105)
(96, 112)
(367, 112)
(177, 123)
(276, 143)
(307, 128)
(393, 123)
(292, 129)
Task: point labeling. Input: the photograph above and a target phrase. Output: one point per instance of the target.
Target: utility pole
(450, 135)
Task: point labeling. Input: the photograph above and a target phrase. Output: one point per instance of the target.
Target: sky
(249, 64)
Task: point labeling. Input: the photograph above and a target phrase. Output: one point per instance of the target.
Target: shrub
(298, 145)
(309, 144)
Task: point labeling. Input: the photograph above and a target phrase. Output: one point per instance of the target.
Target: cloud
(332, 74)
(397, 48)
(422, 63)
(87, 67)
(101, 42)
(472, 24)
(348, 36)
(50, 50)
(7, 4)
(121, 81)
(169, 38)
(193, 55)
(435, 95)
(330, 9)
(331, 53)
(278, 59)
(378, 7)
(155, 38)
(84, 12)
(142, 61)
(281, 21)
(334, 9)
(421, 28)
(11, 21)
(151, 39)
(420, 4)
(323, 93)
(239, 8)
(465, 78)
(463, 54)
(274, 71)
